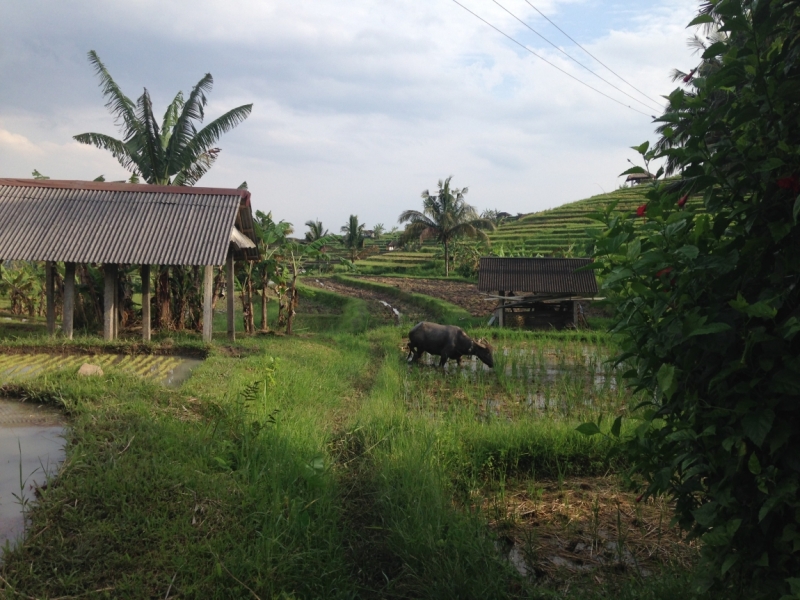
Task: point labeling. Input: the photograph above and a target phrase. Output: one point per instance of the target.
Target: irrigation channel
(32, 435)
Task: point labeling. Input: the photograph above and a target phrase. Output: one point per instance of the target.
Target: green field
(323, 466)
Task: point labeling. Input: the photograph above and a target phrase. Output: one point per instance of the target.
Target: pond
(31, 448)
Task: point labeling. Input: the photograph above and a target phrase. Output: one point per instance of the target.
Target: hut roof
(639, 176)
(123, 223)
(537, 276)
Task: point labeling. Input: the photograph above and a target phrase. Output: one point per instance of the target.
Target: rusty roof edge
(69, 184)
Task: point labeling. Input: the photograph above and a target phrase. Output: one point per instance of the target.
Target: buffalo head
(483, 350)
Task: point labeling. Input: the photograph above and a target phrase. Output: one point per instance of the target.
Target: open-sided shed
(124, 224)
(537, 291)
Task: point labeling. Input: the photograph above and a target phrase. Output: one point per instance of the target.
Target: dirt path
(380, 305)
(465, 295)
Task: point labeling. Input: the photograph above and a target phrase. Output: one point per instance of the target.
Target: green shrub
(709, 302)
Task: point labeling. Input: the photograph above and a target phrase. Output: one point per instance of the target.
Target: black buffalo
(447, 341)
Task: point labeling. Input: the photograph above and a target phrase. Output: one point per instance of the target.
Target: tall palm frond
(315, 230)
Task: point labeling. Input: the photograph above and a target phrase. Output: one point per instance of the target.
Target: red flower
(641, 210)
(688, 78)
(639, 497)
(664, 271)
(790, 183)
(682, 201)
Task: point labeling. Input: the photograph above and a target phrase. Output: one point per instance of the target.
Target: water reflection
(31, 448)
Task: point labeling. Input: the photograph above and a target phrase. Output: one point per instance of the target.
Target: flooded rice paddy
(569, 380)
(168, 370)
(31, 448)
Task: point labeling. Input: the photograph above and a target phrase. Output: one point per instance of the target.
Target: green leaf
(796, 209)
(632, 170)
(666, 379)
(710, 328)
(729, 561)
(616, 427)
(754, 465)
(771, 164)
(588, 429)
(761, 310)
(641, 148)
(688, 251)
(706, 514)
(700, 20)
(715, 49)
(756, 426)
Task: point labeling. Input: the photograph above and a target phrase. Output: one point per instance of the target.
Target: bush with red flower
(718, 349)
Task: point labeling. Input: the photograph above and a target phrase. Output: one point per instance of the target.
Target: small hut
(117, 224)
(639, 178)
(537, 292)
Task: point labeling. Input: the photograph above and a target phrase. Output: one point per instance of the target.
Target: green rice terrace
(323, 465)
(560, 231)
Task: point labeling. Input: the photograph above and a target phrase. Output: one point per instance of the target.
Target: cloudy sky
(358, 105)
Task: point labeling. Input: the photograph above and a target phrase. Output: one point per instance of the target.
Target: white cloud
(359, 106)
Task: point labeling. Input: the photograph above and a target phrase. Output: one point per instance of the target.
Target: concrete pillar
(68, 317)
(231, 298)
(109, 297)
(146, 303)
(208, 300)
(50, 293)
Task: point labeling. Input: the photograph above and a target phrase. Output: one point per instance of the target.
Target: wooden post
(146, 303)
(109, 295)
(68, 315)
(208, 300)
(50, 296)
(502, 311)
(116, 304)
(231, 298)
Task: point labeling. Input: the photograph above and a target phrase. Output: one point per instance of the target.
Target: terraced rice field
(562, 231)
(169, 370)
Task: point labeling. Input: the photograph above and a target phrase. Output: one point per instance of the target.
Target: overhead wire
(570, 75)
(574, 41)
(576, 61)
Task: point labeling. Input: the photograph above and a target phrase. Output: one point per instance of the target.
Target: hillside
(561, 230)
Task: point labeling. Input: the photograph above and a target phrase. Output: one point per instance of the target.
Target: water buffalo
(447, 341)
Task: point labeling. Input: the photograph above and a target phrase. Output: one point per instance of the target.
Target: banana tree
(297, 256)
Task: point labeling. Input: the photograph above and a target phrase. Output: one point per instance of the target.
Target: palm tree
(353, 238)
(444, 217)
(175, 153)
(315, 231)
(379, 229)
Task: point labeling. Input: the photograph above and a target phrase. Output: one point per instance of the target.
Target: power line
(590, 54)
(577, 62)
(524, 47)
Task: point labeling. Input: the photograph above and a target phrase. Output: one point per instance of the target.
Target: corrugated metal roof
(86, 221)
(536, 275)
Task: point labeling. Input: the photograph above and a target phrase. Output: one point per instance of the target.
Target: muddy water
(31, 448)
(169, 370)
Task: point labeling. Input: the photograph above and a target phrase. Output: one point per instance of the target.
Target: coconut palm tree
(174, 153)
(444, 217)
(315, 231)
(353, 238)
